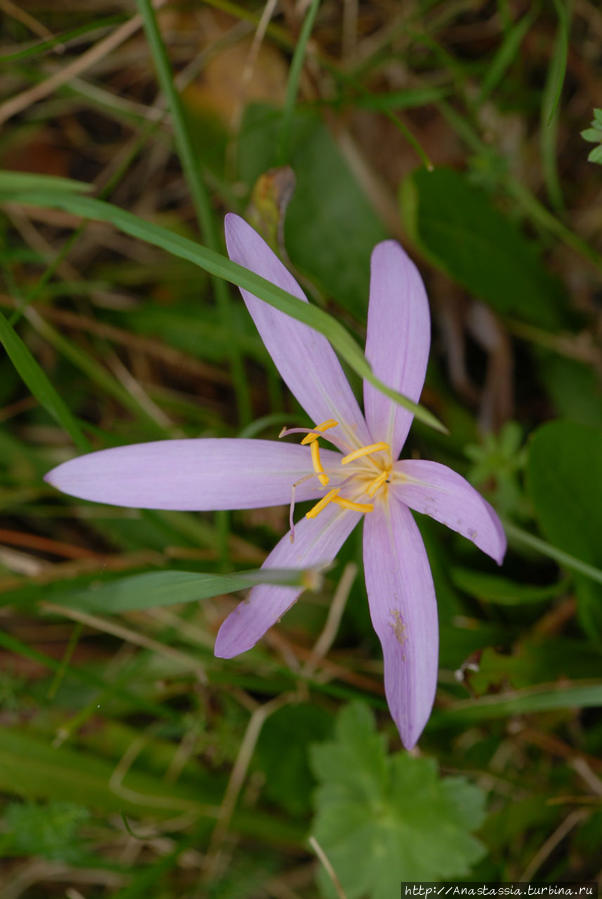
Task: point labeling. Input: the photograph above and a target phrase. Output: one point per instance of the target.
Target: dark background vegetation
(132, 762)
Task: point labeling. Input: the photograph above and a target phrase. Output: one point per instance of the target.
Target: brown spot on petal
(398, 626)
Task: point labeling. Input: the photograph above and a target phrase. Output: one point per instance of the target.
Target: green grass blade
(550, 103)
(521, 702)
(506, 53)
(39, 385)
(558, 64)
(292, 87)
(17, 181)
(200, 197)
(221, 267)
(165, 588)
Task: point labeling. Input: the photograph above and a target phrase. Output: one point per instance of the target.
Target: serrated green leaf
(564, 479)
(593, 135)
(595, 155)
(382, 819)
(460, 230)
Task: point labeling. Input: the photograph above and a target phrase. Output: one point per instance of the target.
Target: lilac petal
(317, 541)
(403, 609)
(193, 475)
(397, 342)
(446, 496)
(304, 358)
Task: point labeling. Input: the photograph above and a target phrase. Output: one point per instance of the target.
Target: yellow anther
(377, 483)
(365, 451)
(321, 504)
(349, 504)
(317, 464)
(325, 426)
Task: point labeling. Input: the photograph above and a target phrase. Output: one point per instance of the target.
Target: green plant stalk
(550, 106)
(559, 555)
(200, 196)
(292, 87)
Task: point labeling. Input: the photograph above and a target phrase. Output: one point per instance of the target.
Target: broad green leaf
(382, 819)
(532, 662)
(166, 588)
(37, 381)
(221, 267)
(501, 590)
(564, 478)
(330, 226)
(458, 228)
(289, 781)
(573, 387)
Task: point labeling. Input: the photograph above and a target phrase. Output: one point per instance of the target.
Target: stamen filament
(349, 504)
(313, 435)
(377, 483)
(321, 504)
(317, 463)
(291, 512)
(365, 451)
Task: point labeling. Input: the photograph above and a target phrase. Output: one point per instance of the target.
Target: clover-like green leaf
(383, 819)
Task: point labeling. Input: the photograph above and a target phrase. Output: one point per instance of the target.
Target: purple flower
(361, 481)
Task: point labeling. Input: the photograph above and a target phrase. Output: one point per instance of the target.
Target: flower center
(364, 479)
(369, 472)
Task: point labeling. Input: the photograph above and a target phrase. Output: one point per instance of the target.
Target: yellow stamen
(321, 504)
(317, 464)
(377, 483)
(365, 451)
(325, 426)
(349, 504)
